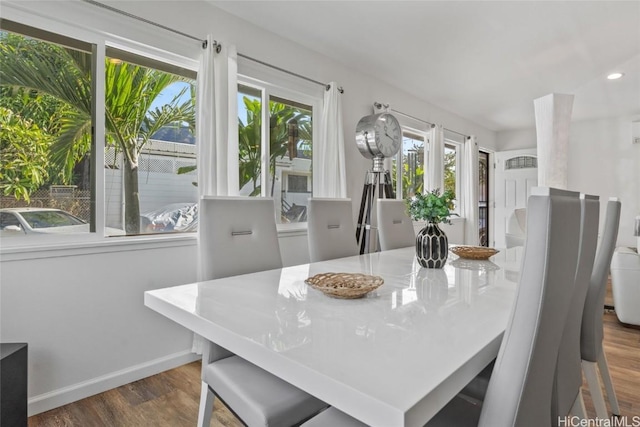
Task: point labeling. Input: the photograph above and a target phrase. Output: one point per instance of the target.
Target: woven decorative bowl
(473, 252)
(344, 285)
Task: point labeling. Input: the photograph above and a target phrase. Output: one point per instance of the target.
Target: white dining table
(392, 358)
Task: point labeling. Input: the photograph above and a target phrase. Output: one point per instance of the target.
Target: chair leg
(206, 406)
(578, 409)
(591, 373)
(608, 385)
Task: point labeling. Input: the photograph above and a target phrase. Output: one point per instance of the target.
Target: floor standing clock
(378, 136)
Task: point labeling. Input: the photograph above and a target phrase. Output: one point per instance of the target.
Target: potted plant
(432, 245)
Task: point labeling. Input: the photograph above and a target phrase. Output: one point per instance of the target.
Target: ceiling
(483, 60)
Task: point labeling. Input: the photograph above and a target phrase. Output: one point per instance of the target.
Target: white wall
(84, 320)
(602, 161)
(81, 309)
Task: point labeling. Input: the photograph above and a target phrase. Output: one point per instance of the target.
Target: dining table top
(392, 358)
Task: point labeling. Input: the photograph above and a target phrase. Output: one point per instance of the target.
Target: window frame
(398, 157)
(456, 141)
(140, 41)
(279, 85)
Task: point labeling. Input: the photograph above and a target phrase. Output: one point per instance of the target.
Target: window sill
(16, 249)
(35, 247)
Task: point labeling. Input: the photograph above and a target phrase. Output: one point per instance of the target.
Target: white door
(515, 173)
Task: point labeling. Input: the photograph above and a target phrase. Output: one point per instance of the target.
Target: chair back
(395, 228)
(331, 230)
(238, 235)
(591, 333)
(569, 370)
(519, 391)
(516, 226)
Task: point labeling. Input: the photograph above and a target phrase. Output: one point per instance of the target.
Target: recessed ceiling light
(614, 76)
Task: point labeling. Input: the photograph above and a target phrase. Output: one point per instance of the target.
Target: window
(48, 117)
(45, 134)
(521, 162)
(150, 151)
(276, 160)
(453, 144)
(483, 198)
(410, 176)
(298, 183)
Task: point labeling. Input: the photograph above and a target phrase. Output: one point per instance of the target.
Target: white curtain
(216, 131)
(217, 122)
(470, 179)
(435, 166)
(330, 176)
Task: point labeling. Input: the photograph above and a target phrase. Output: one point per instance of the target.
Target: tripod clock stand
(377, 136)
(376, 177)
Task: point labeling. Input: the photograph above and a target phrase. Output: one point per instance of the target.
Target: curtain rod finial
(340, 89)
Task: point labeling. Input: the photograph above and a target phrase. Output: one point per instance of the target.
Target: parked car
(30, 221)
(170, 218)
(183, 217)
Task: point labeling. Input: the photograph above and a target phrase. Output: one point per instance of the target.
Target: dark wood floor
(171, 398)
(168, 399)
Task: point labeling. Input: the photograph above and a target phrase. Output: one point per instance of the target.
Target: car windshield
(44, 219)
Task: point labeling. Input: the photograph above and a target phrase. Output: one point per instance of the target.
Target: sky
(171, 91)
(167, 95)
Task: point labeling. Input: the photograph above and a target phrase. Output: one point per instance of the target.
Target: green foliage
(249, 138)
(24, 149)
(450, 171)
(249, 145)
(41, 109)
(130, 91)
(56, 82)
(432, 206)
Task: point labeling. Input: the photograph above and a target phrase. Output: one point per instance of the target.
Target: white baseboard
(54, 399)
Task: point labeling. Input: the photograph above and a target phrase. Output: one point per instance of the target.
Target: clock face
(378, 135)
(388, 135)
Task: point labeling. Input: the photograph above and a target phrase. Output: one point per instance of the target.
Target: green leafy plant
(432, 206)
(23, 155)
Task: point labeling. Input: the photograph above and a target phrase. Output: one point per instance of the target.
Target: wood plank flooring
(171, 398)
(168, 399)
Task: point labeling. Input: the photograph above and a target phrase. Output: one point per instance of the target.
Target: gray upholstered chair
(239, 236)
(567, 394)
(591, 335)
(331, 230)
(516, 228)
(625, 284)
(395, 228)
(519, 392)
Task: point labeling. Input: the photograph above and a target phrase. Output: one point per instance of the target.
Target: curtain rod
(380, 106)
(327, 86)
(164, 27)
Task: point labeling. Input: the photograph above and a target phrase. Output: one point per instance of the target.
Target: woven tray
(344, 285)
(473, 252)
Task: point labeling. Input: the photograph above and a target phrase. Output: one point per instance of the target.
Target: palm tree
(130, 121)
(249, 138)
(130, 90)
